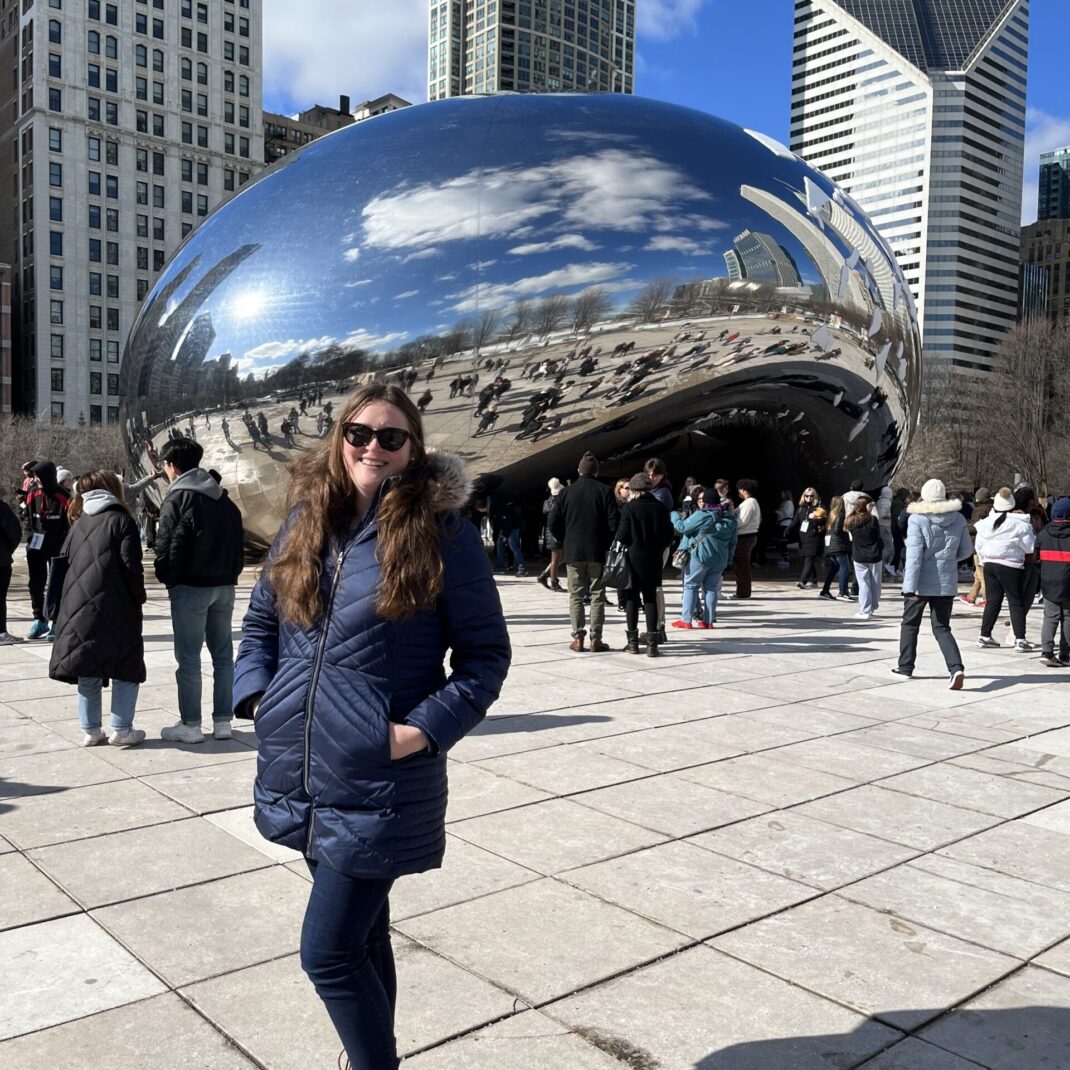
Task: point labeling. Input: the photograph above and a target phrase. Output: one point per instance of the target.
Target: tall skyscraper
(916, 108)
(526, 46)
(1053, 201)
(124, 125)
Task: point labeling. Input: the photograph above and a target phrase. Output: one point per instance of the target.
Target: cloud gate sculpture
(548, 274)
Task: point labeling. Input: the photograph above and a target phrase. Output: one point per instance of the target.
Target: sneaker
(863, 616)
(1051, 661)
(902, 672)
(700, 624)
(7, 639)
(981, 603)
(130, 738)
(38, 630)
(682, 624)
(49, 636)
(828, 596)
(182, 733)
(986, 641)
(94, 737)
(965, 598)
(956, 680)
(1023, 646)
(221, 730)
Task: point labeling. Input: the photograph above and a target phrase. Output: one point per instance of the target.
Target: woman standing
(98, 624)
(10, 537)
(1004, 538)
(620, 492)
(837, 550)
(646, 530)
(867, 552)
(548, 576)
(709, 536)
(372, 579)
(809, 528)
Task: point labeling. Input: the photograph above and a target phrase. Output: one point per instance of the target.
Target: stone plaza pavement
(760, 852)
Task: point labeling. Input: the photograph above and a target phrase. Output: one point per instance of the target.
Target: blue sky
(725, 57)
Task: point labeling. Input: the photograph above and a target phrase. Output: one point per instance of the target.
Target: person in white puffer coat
(1004, 537)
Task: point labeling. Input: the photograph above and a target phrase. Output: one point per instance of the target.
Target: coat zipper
(316, 665)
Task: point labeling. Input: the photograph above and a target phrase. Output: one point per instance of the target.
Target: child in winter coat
(1053, 544)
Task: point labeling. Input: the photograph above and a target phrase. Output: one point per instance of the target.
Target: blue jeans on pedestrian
(346, 953)
(513, 541)
(199, 615)
(702, 587)
(837, 565)
(123, 701)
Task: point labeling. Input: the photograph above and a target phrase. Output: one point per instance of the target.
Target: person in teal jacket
(709, 533)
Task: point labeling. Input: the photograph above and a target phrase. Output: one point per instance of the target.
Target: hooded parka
(937, 540)
(98, 627)
(326, 785)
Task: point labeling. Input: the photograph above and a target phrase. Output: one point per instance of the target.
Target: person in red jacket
(1053, 548)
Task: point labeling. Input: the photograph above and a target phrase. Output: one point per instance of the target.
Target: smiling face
(368, 466)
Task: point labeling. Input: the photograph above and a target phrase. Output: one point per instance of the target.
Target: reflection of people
(355, 719)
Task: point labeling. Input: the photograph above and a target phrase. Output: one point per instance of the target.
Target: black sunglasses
(390, 438)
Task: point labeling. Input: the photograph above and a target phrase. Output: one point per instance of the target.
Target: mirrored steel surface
(551, 274)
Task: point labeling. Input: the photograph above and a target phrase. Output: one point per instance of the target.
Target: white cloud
(268, 356)
(358, 282)
(662, 20)
(352, 255)
(317, 49)
(1043, 133)
(407, 293)
(566, 241)
(571, 276)
(673, 243)
(366, 340)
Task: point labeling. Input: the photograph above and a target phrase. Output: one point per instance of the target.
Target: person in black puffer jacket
(1053, 550)
(646, 529)
(867, 552)
(10, 537)
(837, 551)
(99, 620)
(46, 519)
(808, 528)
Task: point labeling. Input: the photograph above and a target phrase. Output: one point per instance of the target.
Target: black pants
(1003, 580)
(809, 569)
(647, 594)
(5, 583)
(940, 619)
(741, 563)
(37, 562)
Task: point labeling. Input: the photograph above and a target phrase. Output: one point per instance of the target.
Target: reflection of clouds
(270, 356)
(674, 243)
(362, 339)
(612, 189)
(566, 241)
(494, 295)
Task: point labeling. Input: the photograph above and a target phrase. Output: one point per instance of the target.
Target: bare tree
(653, 299)
(458, 339)
(521, 319)
(550, 314)
(484, 328)
(590, 307)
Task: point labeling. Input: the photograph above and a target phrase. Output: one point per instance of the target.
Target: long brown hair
(95, 480)
(835, 509)
(860, 514)
(325, 503)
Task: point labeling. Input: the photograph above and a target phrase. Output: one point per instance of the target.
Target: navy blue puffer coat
(325, 782)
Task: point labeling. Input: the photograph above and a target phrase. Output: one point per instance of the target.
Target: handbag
(57, 574)
(680, 559)
(617, 572)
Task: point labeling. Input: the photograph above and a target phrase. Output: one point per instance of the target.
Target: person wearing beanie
(1053, 549)
(982, 506)
(1004, 538)
(583, 519)
(46, 515)
(937, 540)
(647, 531)
(548, 578)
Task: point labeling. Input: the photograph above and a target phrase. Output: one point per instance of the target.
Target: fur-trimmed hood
(949, 505)
(450, 483)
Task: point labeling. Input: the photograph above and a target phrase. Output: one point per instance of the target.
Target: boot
(652, 645)
(632, 646)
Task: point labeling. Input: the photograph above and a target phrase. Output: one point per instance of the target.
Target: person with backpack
(46, 520)
(1053, 550)
(709, 539)
(10, 537)
(99, 615)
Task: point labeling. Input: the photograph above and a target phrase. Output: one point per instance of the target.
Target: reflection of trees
(483, 328)
(653, 299)
(550, 313)
(711, 297)
(589, 308)
(520, 321)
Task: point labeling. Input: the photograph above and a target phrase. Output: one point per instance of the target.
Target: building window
(113, 220)
(111, 47)
(111, 112)
(228, 111)
(157, 125)
(111, 186)
(187, 170)
(186, 228)
(228, 81)
(94, 250)
(141, 88)
(93, 148)
(113, 413)
(142, 258)
(55, 174)
(55, 140)
(202, 104)
(157, 93)
(228, 21)
(157, 259)
(55, 312)
(93, 76)
(186, 37)
(141, 23)
(111, 153)
(142, 226)
(94, 183)
(113, 324)
(228, 51)
(94, 9)
(111, 14)
(202, 73)
(243, 116)
(187, 133)
(93, 104)
(94, 323)
(95, 384)
(228, 143)
(186, 67)
(228, 179)
(55, 207)
(158, 197)
(57, 349)
(202, 43)
(187, 101)
(141, 158)
(55, 65)
(187, 202)
(243, 147)
(55, 277)
(157, 60)
(202, 174)
(143, 285)
(157, 29)
(142, 121)
(57, 412)
(94, 287)
(55, 34)
(94, 217)
(94, 415)
(158, 230)
(141, 56)
(202, 204)
(113, 286)
(243, 85)
(111, 80)
(112, 253)
(243, 27)
(202, 137)
(55, 99)
(202, 13)
(57, 379)
(113, 389)
(55, 243)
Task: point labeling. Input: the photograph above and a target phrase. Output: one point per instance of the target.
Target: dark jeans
(37, 563)
(648, 596)
(5, 583)
(1056, 624)
(1003, 580)
(940, 619)
(741, 564)
(898, 546)
(837, 565)
(809, 569)
(345, 950)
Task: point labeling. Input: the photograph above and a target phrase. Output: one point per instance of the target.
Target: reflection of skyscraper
(917, 109)
(548, 46)
(732, 264)
(761, 259)
(1053, 201)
